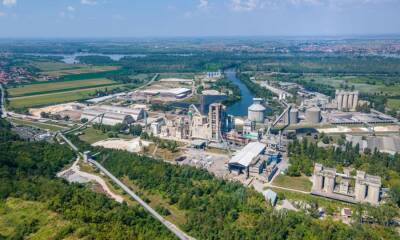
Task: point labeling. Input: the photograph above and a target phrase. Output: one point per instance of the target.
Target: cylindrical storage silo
(313, 115)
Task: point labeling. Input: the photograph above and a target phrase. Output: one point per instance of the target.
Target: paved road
(2, 103)
(148, 83)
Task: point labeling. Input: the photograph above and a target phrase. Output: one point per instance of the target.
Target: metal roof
(257, 107)
(245, 156)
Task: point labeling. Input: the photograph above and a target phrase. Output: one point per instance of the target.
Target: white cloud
(89, 2)
(71, 8)
(245, 5)
(203, 4)
(250, 5)
(9, 3)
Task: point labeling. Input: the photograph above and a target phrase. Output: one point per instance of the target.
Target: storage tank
(313, 115)
(294, 116)
(256, 111)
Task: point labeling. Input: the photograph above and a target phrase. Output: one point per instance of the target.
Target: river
(73, 58)
(239, 108)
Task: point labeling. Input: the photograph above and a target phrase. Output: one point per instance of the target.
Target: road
(170, 226)
(2, 102)
(148, 83)
(74, 169)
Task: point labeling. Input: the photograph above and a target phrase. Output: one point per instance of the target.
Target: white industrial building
(246, 157)
(113, 115)
(109, 118)
(173, 92)
(136, 114)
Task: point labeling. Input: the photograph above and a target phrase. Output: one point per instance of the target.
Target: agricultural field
(55, 98)
(58, 69)
(51, 87)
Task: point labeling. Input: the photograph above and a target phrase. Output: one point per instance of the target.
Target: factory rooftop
(246, 156)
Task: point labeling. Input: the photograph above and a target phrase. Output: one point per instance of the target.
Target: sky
(194, 18)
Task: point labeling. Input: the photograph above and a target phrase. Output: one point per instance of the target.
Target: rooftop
(245, 156)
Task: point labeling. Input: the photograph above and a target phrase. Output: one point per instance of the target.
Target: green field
(393, 103)
(177, 75)
(299, 183)
(51, 127)
(49, 87)
(56, 69)
(18, 215)
(55, 98)
(91, 135)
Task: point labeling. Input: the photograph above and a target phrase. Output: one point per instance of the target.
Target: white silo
(256, 111)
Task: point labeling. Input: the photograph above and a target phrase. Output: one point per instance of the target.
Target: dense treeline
(303, 154)
(217, 209)
(229, 88)
(300, 63)
(27, 171)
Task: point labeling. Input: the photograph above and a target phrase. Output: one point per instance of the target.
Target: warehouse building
(113, 115)
(136, 114)
(177, 93)
(109, 118)
(245, 158)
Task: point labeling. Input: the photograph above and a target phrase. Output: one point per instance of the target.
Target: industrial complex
(251, 149)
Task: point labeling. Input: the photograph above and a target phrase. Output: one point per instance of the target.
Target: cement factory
(253, 147)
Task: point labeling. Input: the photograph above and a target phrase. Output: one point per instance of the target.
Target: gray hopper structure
(328, 183)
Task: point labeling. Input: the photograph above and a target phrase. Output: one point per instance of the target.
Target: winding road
(75, 170)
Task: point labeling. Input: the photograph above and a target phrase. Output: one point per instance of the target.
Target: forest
(27, 172)
(219, 209)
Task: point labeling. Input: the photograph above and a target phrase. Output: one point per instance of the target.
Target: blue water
(73, 58)
(239, 108)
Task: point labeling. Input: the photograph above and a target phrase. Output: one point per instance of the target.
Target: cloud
(250, 5)
(89, 2)
(9, 3)
(71, 8)
(244, 5)
(203, 4)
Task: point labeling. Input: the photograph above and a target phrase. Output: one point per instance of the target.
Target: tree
(136, 130)
(84, 120)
